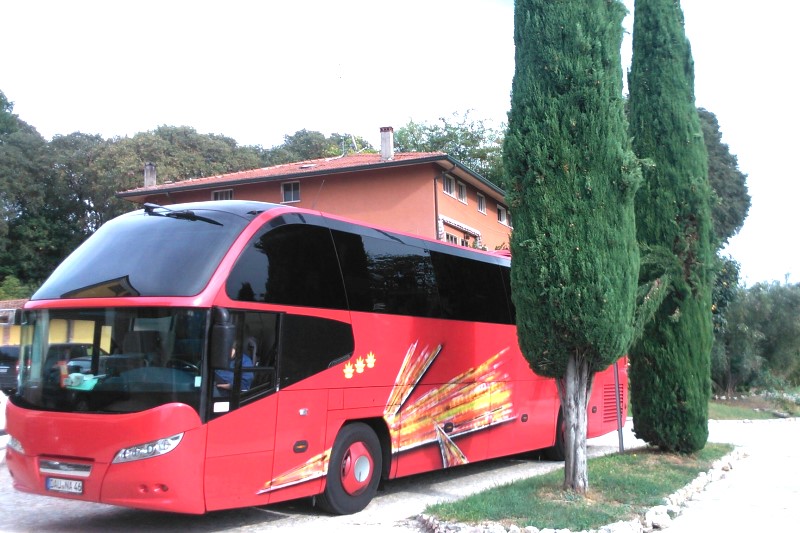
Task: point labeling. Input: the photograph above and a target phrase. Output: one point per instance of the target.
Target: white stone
(657, 518)
(632, 526)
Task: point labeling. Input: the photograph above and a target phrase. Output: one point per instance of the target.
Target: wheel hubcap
(356, 469)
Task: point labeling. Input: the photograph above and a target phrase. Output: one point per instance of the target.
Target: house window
(452, 239)
(226, 194)
(449, 185)
(291, 192)
(502, 215)
(481, 203)
(462, 192)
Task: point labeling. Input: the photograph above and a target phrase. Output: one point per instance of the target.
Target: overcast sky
(258, 70)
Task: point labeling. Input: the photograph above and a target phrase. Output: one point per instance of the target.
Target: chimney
(387, 143)
(149, 174)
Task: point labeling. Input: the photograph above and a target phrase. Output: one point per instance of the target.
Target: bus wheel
(556, 451)
(353, 471)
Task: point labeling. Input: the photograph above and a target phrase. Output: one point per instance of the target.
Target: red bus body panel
(602, 410)
(172, 481)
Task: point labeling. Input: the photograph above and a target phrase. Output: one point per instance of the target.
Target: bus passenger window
(310, 344)
(386, 276)
(471, 290)
(257, 339)
(292, 264)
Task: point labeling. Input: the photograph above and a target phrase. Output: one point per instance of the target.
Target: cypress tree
(571, 178)
(670, 364)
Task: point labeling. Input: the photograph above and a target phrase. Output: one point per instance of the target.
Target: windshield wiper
(183, 214)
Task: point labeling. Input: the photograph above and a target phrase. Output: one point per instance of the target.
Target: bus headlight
(148, 449)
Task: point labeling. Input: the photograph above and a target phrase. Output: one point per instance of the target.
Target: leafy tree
(730, 201)
(305, 145)
(8, 122)
(670, 364)
(24, 197)
(571, 181)
(735, 362)
(760, 344)
(12, 288)
(773, 310)
(350, 144)
(470, 141)
(61, 198)
(726, 285)
(181, 152)
(74, 160)
(8, 125)
(48, 223)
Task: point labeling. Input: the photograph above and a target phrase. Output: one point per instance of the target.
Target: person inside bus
(223, 379)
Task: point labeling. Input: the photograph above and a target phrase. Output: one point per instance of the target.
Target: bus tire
(556, 452)
(354, 470)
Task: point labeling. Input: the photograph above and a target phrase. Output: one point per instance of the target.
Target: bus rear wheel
(557, 452)
(354, 470)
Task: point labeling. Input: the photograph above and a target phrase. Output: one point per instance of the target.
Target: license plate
(71, 486)
(3, 369)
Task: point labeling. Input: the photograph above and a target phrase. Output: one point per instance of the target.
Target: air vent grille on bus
(610, 404)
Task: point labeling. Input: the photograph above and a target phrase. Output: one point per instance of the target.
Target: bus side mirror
(223, 335)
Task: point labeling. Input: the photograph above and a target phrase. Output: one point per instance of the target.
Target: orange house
(428, 194)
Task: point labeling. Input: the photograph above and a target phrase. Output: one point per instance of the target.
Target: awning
(460, 226)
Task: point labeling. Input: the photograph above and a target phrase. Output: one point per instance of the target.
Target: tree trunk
(574, 390)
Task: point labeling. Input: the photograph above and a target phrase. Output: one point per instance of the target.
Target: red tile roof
(12, 304)
(310, 167)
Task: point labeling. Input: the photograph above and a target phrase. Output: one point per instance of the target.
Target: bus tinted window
(141, 254)
(386, 276)
(506, 271)
(310, 344)
(470, 290)
(293, 264)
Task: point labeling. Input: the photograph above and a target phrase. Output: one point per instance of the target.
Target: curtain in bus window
(386, 276)
(292, 265)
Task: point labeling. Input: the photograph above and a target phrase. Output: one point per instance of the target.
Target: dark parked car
(9, 357)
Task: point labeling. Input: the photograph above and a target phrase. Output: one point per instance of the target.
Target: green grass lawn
(731, 411)
(622, 486)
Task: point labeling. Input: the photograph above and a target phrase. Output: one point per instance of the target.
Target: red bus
(217, 355)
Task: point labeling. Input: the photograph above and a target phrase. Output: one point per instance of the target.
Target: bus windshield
(154, 252)
(111, 360)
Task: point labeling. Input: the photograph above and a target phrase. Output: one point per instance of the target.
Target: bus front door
(239, 455)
